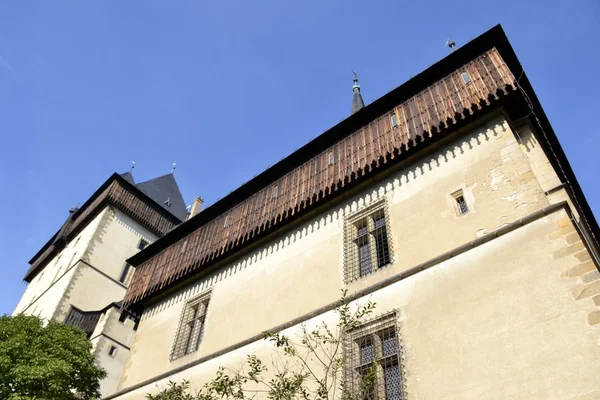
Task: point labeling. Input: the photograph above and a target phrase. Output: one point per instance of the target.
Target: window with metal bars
(367, 247)
(373, 360)
(461, 204)
(191, 327)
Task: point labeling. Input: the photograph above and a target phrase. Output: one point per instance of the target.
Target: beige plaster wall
(516, 317)
(86, 276)
(540, 165)
(303, 270)
(111, 332)
(95, 282)
(116, 241)
(43, 295)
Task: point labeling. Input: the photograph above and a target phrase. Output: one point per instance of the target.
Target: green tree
(309, 367)
(46, 361)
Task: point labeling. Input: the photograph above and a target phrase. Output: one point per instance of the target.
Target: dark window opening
(395, 120)
(381, 240)
(142, 245)
(364, 249)
(461, 203)
(125, 272)
(112, 351)
(123, 317)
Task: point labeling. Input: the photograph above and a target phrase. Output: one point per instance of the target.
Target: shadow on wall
(451, 152)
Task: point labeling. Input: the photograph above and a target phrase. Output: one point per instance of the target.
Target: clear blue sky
(226, 88)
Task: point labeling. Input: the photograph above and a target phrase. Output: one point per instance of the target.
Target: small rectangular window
(466, 78)
(142, 245)
(331, 158)
(394, 120)
(191, 327)
(112, 351)
(275, 191)
(123, 317)
(125, 273)
(226, 223)
(461, 204)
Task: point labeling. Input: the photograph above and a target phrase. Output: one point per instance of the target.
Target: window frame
(113, 353)
(458, 205)
(143, 243)
(380, 248)
(185, 335)
(466, 77)
(394, 121)
(376, 332)
(125, 272)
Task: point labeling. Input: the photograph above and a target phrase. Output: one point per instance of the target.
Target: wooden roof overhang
(429, 107)
(119, 193)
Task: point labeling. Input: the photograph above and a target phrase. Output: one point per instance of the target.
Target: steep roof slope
(128, 176)
(165, 192)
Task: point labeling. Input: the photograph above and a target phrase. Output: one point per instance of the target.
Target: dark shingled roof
(128, 176)
(357, 100)
(165, 192)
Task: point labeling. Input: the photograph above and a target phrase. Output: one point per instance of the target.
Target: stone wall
(302, 270)
(510, 318)
(46, 291)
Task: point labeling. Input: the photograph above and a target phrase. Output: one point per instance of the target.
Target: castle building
(80, 275)
(448, 202)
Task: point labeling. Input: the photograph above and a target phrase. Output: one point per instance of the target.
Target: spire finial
(357, 100)
(132, 167)
(174, 166)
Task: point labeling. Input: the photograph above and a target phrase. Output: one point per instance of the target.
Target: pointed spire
(357, 100)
